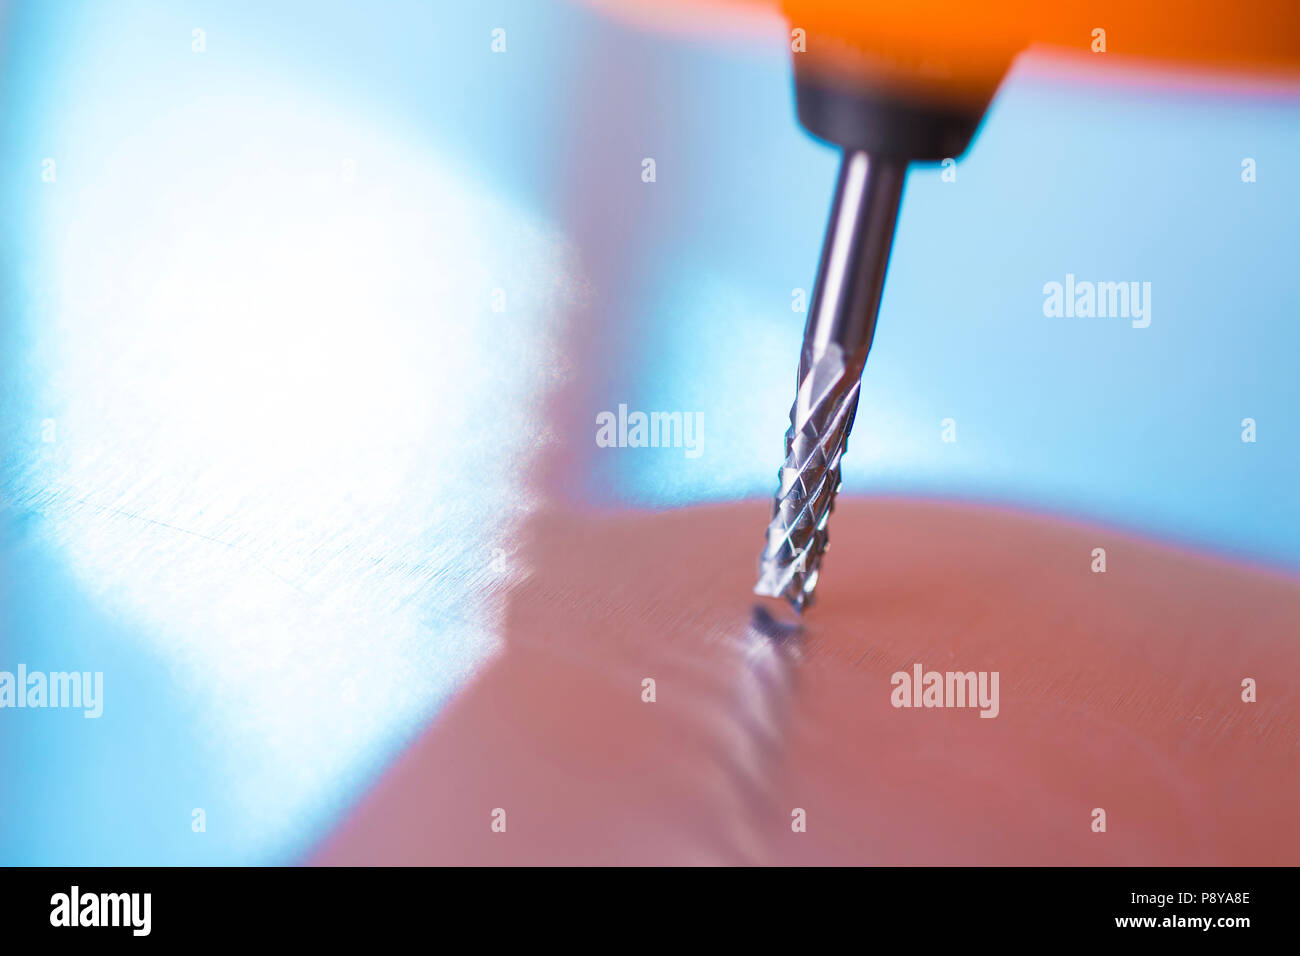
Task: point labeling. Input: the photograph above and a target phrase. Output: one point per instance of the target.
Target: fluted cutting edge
(820, 420)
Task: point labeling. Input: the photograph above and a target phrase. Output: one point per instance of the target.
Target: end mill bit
(837, 338)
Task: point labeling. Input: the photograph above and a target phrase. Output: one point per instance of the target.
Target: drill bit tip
(837, 337)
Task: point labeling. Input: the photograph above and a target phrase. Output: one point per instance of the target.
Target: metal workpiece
(841, 325)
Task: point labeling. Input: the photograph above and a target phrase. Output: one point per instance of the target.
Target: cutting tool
(892, 84)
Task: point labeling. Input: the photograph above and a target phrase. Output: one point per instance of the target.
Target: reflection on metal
(754, 729)
(291, 435)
